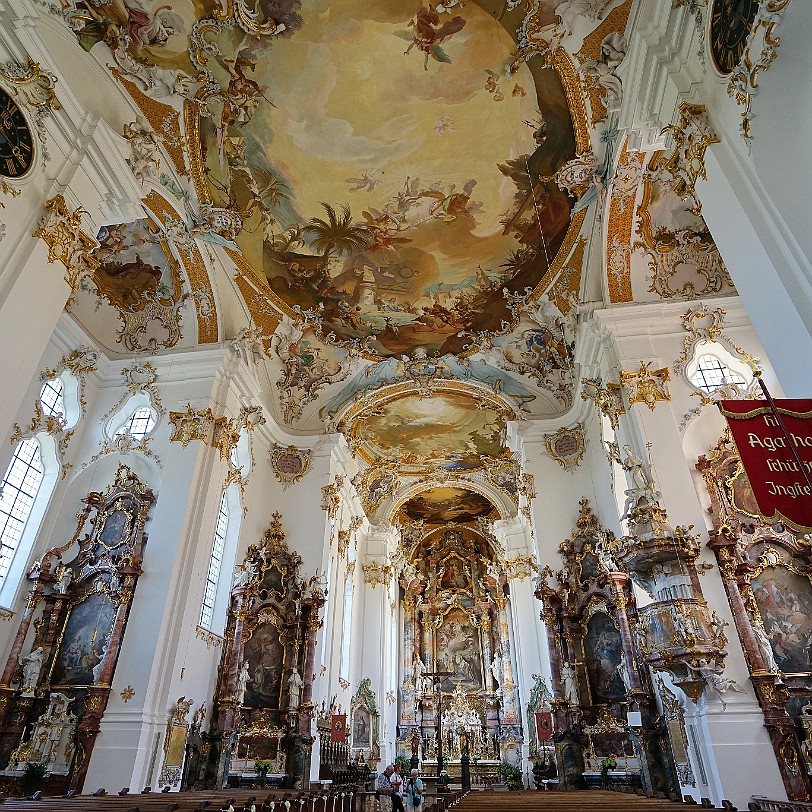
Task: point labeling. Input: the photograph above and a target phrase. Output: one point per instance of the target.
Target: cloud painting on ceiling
(444, 505)
(420, 434)
(379, 160)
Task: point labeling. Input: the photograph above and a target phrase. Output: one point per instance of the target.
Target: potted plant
(511, 776)
(262, 768)
(33, 777)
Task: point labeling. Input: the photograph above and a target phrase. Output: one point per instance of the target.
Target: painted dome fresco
(380, 155)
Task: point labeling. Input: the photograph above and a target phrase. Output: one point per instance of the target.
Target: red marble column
(619, 582)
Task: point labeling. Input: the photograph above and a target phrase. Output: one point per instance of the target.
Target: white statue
(244, 575)
(242, 682)
(717, 624)
(145, 146)
(65, 577)
(497, 668)
(31, 665)
(421, 682)
(295, 683)
(570, 680)
(602, 70)
(606, 558)
(716, 683)
(765, 648)
(570, 11)
(639, 470)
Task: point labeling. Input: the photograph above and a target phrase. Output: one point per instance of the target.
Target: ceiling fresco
(447, 505)
(397, 188)
(137, 276)
(421, 434)
(397, 226)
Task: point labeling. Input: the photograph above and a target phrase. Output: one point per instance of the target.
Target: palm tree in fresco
(337, 233)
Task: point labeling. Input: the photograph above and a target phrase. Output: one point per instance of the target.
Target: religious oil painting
(273, 583)
(361, 727)
(603, 651)
(134, 266)
(458, 651)
(444, 505)
(115, 530)
(784, 600)
(419, 435)
(84, 641)
(454, 574)
(265, 655)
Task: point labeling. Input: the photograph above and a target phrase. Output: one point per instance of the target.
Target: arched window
(711, 373)
(23, 499)
(215, 564)
(141, 423)
(52, 397)
(18, 491)
(136, 417)
(216, 589)
(346, 628)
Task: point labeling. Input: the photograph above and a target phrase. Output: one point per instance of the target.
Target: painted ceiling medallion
(444, 505)
(419, 434)
(393, 224)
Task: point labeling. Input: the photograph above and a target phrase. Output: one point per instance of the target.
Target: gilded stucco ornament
(606, 398)
(211, 639)
(646, 385)
(377, 573)
(692, 135)
(60, 229)
(375, 485)
(567, 446)
(190, 425)
(289, 463)
(761, 52)
(331, 497)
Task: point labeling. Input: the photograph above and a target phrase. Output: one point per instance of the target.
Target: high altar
(456, 607)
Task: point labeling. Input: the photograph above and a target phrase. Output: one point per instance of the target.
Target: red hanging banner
(781, 487)
(338, 728)
(544, 726)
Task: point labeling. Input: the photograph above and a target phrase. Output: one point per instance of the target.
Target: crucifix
(437, 680)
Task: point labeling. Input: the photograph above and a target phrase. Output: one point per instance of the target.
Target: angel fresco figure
(428, 34)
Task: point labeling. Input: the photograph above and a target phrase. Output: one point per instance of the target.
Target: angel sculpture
(428, 34)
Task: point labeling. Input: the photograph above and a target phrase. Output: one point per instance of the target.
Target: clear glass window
(17, 494)
(52, 397)
(140, 423)
(215, 564)
(711, 373)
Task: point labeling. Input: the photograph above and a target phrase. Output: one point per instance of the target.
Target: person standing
(414, 793)
(383, 789)
(396, 781)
